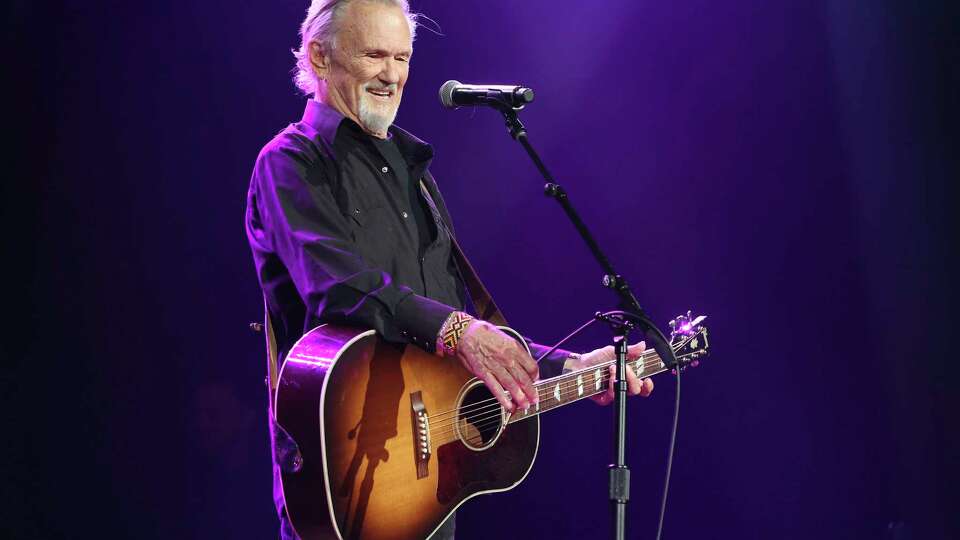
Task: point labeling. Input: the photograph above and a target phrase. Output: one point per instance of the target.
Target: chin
(376, 117)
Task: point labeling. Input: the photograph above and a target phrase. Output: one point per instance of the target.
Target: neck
(576, 385)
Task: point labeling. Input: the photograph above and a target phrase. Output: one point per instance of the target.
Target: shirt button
(404, 215)
(385, 169)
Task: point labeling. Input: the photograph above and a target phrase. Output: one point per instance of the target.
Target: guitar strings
(484, 421)
(436, 418)
(493, 402)
(491, 421)
(651, 353)
(565, 396)
(471, 414)
(447, 432)
(483, 413)
(643, 357)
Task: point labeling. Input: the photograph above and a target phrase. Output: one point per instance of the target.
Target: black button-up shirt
(332, 222)
(332, 219)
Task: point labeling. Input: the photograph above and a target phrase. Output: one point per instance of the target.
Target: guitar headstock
(688, 338)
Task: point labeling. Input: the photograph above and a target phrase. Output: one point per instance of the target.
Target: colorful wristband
(450, 333)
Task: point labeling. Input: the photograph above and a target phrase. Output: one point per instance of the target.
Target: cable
(673, 443)
(570, 336)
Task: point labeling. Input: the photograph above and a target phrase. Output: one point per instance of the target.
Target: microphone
(455, 94)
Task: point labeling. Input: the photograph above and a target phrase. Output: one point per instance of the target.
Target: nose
(391, 72)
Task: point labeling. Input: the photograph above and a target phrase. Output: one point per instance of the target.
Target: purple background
(788, 168)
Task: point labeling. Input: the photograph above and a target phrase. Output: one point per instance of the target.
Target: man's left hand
(635, 385)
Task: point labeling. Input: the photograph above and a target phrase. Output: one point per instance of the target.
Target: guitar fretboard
(576, 385)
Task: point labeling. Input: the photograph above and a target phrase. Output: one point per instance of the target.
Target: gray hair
(320, 25)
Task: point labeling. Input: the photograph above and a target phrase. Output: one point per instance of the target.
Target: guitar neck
(576, 385)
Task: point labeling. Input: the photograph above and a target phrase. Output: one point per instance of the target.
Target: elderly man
(341, 231)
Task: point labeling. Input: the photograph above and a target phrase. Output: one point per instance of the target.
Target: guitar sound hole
(480, 417)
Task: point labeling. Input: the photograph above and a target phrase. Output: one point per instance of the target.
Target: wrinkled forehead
(374, 26)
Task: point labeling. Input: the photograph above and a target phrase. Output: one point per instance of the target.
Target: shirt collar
(327, 122)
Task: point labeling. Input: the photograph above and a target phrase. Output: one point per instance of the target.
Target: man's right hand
(500, 362)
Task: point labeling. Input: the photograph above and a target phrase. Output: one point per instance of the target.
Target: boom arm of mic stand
(556, 191)
(611, 279)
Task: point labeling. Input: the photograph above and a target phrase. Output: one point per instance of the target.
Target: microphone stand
(631, 317)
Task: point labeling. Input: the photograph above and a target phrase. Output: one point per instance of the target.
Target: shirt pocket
(375, 234)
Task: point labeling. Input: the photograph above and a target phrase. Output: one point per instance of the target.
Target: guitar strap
(481, 298)
(272, 366)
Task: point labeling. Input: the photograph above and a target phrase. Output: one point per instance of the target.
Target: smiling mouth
(381, 93)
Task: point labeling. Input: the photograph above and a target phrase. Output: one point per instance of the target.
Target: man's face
(369, 65)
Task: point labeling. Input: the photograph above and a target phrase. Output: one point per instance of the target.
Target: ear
(320, 60)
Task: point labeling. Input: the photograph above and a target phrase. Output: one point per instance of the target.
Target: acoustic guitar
(393, 439)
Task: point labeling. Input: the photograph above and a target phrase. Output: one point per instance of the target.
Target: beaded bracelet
(450, 333)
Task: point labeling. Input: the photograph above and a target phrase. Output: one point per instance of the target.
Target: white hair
(323, 16)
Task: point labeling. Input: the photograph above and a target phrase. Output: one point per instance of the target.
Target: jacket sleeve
(552, 365)
(301, 223)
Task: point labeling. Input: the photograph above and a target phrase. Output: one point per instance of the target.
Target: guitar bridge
(421, 434)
